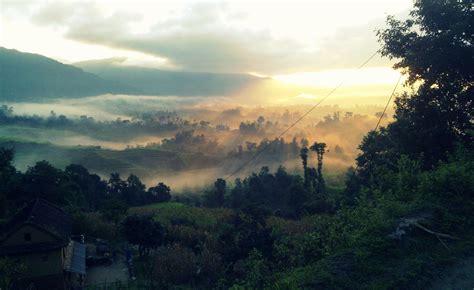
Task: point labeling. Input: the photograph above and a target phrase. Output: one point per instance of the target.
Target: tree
(251, 146)
(174, 265)
(89, 185)
(7, 177)
(116, 186)
(304, 159)
(352, 186)
(143, 231)
(113, 210)
(11, 271)
(215, 198)
(320, 149)
(246, 231)
(260, 121)
(434, 49)
(160, 193)
(45, 181)
(257, 270)
(134, 193)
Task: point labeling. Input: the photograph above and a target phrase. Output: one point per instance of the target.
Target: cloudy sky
(290, 40)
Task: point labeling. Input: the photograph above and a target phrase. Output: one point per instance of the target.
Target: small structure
(39, 237)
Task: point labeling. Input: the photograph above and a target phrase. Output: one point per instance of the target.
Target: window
(27, 237)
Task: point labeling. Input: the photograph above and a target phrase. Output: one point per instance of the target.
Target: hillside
(169, 83)
(146, 163)
(32, 77)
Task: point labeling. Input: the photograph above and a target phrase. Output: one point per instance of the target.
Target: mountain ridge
(33, 77)
(153, 81)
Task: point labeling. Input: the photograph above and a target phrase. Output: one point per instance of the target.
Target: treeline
(277, 150)
(119, 129)
(280, 193)
(74, 187)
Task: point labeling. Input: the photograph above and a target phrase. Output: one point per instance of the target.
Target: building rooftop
(43, 215)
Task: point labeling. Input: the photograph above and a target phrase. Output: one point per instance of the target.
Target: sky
(298, 42)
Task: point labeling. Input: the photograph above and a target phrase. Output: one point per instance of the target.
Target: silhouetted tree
(134, 193)
(143, 231)
(215, 198)
(116, 186)
(160, 193)
(433, 47)
(42, 180)
(8, 175)
(304, 159)
(90, 185)
(320, 149)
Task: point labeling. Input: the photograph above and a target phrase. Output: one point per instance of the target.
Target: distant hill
(32, 77)
(169, 83)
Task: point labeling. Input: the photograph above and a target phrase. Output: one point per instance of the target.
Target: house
(39, 237)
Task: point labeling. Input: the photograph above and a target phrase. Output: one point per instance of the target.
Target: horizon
(310, 46)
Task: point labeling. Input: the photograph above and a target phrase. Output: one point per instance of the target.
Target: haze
(313, 43)
(211, 68)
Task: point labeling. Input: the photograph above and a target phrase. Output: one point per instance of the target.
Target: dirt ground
(118, 271)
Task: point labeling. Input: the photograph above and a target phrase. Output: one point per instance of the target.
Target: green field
(173, 212)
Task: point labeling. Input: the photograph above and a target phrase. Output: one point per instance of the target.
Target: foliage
(280, 192)
(94, 225)
(11, 272)
(215, 197)
(7, 180)
(433, 47)
(173, 213)
(144, 232)
(159, 193)
(174, 265)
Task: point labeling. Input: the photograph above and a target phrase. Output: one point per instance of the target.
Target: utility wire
(298, 120)
(389, 99)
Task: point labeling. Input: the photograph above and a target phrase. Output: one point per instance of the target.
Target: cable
(298, 120)
(389, 99)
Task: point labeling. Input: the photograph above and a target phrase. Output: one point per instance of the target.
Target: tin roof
(75, 261)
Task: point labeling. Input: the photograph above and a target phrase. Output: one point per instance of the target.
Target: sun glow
(331, 78)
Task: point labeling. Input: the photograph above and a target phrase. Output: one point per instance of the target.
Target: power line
(389, 99)
(298, 120)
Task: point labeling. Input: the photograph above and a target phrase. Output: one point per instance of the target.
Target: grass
(168, 213)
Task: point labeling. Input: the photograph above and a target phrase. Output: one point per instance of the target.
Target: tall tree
(433, 48)
(116, 186)
(134, 193)
(320, 149)
(215, 198)
(304, 160)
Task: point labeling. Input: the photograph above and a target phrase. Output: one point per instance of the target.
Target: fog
(186, 142)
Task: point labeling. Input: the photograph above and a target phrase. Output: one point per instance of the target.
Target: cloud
(201, 39)
(52, 14)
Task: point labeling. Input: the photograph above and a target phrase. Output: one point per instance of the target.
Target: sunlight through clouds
(331, 78)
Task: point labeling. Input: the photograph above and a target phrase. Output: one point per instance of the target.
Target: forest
(305, 215)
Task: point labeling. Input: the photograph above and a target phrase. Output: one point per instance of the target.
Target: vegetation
(403, 216)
